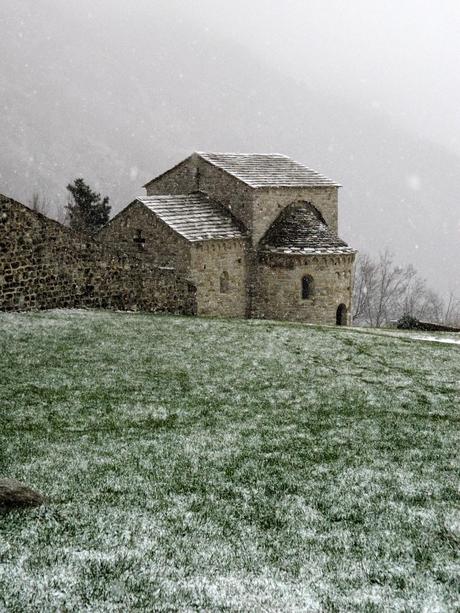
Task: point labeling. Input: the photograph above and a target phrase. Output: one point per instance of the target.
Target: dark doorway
(341, 317)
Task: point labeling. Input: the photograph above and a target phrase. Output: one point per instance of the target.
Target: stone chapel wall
(45, 265)
(196, 174)
(135, 230)
(218, 270)
(228, 191)
(269, 202)
(278, 293)
(181, 179)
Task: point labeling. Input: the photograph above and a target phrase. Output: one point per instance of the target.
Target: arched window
(224, 284)
(307, 287)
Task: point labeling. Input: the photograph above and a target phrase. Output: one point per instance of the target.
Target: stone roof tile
(267, 170)
(301, 229)
(194, 216)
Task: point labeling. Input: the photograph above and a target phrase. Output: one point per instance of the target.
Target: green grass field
(217, 465)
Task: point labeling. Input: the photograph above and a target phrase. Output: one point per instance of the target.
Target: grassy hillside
(214, 465)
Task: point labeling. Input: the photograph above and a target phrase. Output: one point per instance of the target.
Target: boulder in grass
(16, 495)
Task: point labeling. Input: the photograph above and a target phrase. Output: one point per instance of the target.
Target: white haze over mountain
(117, 91)
(401, 57)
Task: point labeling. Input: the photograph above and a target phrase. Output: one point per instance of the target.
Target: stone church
(256, 234)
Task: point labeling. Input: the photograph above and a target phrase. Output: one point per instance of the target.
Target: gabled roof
(301, 229)
(267, 170)
(194, 216)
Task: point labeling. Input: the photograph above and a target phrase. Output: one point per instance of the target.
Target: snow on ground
(210, 464)
(452, 341)
(440, 337)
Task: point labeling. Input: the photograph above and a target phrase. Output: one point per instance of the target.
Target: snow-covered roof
(301, 229)
(194, 216)
(267, 170)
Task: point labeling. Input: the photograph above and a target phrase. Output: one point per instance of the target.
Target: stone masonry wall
(211, 259)
(259, 285)
(181, 179)
(162, 246)
(195, 174)
(268, 204)
(227, 190)
(45, 265)
(256, 208)
(202, 262)
(278, 292)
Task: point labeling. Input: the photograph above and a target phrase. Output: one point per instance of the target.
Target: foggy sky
(117, 91)
(401, 57)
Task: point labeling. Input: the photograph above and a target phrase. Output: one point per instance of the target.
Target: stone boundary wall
(45, 265)
(432, 327)
(429, 326)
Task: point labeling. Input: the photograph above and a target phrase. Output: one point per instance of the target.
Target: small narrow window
(307, 287)
(224, 284)
(139, 240)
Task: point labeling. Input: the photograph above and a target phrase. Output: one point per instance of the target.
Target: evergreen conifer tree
(88, 211)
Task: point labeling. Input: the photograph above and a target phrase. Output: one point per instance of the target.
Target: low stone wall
(431, 327)
(409, 322)
(46, 265)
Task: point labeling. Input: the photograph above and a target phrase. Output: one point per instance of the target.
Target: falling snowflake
(414, 182)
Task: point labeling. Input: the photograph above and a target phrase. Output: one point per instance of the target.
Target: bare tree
(380, 286)
(40, 204)
(391, 285)
(451, 312)
(420, 301)
(383, 292)
(62, 215)
(364, 286)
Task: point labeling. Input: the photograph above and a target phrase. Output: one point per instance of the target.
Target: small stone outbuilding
(255, 233)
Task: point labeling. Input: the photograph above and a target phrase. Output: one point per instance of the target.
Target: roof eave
(218, 239)
(293, 252)
(302, 186)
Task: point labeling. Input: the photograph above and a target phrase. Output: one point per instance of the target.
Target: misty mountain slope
(118, 96)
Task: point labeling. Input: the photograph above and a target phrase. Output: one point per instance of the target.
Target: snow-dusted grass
(196, 464)
(451, 338)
